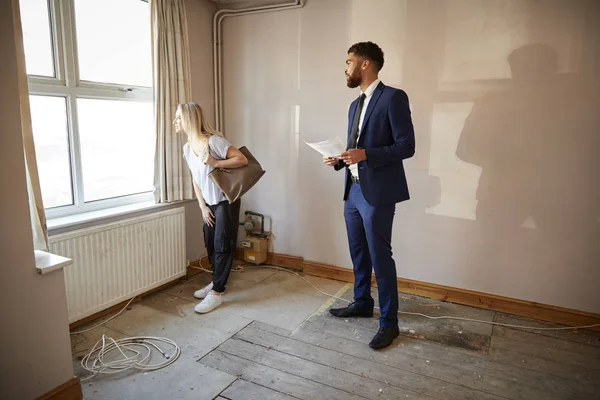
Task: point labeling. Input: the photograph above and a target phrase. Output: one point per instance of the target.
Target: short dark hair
(370, 51)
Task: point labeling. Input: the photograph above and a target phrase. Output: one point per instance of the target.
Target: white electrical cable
(419, 314)
(93, 361)
(102, 323)
(140, 348)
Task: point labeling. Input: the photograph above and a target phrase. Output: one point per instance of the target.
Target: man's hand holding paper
(331, 161)
(353, 156)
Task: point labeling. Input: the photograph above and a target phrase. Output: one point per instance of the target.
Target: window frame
(67, 84)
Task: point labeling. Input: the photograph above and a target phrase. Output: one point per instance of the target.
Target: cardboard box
(255, 250)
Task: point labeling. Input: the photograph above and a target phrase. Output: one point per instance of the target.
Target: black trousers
(221, 240)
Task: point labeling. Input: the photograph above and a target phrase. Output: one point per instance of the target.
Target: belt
(354, 180)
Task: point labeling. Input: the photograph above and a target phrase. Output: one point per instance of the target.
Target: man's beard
(353, 80)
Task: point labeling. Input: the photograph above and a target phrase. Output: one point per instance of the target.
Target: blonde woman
(206, 150)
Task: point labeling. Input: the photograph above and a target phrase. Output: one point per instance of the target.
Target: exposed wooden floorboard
(245, 390)
(273, 378)
(553, 348)
(362, 366)
(514, 356)
(475, 369)
(330, 376)
(431, 369)
(332, 352)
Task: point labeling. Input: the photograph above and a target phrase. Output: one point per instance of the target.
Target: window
(90, 81)
(51, 138)
(128, 127)
(37, 37)
(114, 55)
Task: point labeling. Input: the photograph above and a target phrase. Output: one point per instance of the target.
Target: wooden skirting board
(466, 297)
(279, 260)
(70, 390)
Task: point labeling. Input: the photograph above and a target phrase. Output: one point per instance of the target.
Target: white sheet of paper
(329, 148)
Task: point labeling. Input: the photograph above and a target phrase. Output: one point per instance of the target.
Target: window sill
(72, 222)
(48, 262)
(64, 222)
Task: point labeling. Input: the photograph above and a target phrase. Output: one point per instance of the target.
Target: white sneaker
(210, 302)
(200, 294)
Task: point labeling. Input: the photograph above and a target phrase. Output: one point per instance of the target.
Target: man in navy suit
(380, 137)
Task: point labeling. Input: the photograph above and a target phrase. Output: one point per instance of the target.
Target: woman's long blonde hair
(193, 121)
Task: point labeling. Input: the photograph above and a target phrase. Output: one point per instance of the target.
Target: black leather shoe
(384, 337)
(353, 310)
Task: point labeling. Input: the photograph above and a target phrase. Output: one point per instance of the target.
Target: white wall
(34, 338)
(504, 185)
(199, 18)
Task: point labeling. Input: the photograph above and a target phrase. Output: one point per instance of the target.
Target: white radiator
(116, 261)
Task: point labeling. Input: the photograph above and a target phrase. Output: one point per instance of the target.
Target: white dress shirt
(369, 93)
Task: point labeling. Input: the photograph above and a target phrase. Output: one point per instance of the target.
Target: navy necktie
(353, 140)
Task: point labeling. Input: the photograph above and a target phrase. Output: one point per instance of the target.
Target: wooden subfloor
(275, 339)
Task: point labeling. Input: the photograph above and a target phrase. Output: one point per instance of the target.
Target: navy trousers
(370, 238)
(220, 240)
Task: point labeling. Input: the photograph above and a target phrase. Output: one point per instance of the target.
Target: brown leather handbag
(235, 182)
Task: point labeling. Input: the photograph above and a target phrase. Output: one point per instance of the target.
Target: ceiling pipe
(217, 49)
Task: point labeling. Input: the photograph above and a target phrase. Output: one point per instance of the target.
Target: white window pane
(113, 41)
(117, 147)
(37, 37)
(51, 138)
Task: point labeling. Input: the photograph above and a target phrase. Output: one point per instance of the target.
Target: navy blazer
(388, 137)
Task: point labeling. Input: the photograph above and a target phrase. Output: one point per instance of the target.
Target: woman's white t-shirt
(218, 146)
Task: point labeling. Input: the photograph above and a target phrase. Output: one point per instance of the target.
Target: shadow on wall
(538, 146)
